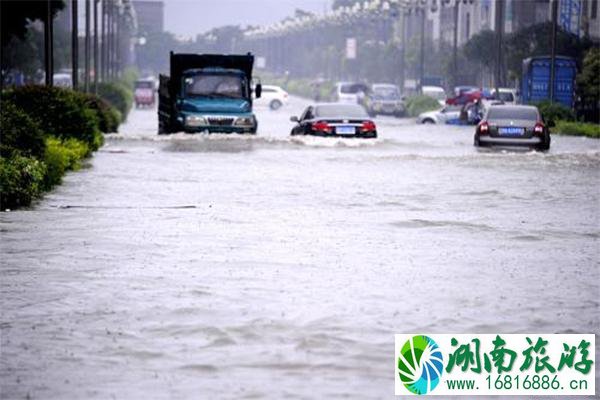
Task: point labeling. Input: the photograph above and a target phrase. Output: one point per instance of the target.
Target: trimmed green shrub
(577, 129)
(416, 105)
(108, 117)
(21, 180)
(118, 96)
(20, 135)
(61, 157)
(553, 112)
(58, 112)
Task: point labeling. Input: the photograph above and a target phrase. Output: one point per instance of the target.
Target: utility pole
(96, 64)
(86, 78)
(49, 45)
(455, 47)
(499, 34)
(403, 52)
(103, 41)
(74, 45)
(553, 52)
(422, 55)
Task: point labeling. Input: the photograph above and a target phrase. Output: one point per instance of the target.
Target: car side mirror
(294, 119)
(258, 90)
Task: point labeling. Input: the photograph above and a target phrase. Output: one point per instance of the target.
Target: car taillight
(368, 126)
(539, 128)
(484, 128)
(321, 126)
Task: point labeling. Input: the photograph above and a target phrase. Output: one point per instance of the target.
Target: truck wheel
(162, 130)
(275, 105)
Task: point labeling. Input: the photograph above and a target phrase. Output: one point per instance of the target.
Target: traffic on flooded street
(224, 263)
(300, 199)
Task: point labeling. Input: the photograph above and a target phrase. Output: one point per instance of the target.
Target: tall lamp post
(74, 45)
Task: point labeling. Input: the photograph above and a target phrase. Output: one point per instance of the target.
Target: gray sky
(190, 17)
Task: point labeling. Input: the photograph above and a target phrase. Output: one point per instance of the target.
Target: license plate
(511, 131)
(345, 130)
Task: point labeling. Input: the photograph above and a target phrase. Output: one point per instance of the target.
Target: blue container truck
(535, 84)
(207, 93)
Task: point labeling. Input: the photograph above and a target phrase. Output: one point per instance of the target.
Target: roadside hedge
(416, 105)
(118, 95)
(20, 134)
(554, 112)
(21, 180)
(47, 131)
(577, 129)
(58, 112)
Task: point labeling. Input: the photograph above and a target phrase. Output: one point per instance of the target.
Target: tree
(479, 48)
(588, 81)
(16, 16)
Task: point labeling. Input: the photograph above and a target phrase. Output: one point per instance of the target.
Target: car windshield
(217, 85)
(340, 110)
(506, 96)
(520, 113)
(386, 93)
(143, 85)
(352, 88)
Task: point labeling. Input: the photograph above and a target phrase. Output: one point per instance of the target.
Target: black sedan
(335, 119)
(506, 125)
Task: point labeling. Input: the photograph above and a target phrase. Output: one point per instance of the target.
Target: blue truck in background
(207, 93)
(535, 83)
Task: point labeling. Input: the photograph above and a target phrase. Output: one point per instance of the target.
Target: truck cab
(208, 93)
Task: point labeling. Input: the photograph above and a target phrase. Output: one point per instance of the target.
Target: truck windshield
(218, 85)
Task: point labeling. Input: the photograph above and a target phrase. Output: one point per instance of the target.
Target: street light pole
(49, 45)
(86, 78)
(553, 52)
(96, 64)
(455, 46)
(499, 33)
(74, 45)
(422, 55)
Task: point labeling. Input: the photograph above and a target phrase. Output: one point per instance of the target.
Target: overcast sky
(190, 17)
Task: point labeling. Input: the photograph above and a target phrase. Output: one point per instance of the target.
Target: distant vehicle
(385, 98)
(443, 116)
(62, 79)
(208, 93)
(144, 93)
(460, 90)
(437, 92)
(535, 84)
(510, 125)
(506, 95)
(350, 93)
(272, 96)
(334, 119)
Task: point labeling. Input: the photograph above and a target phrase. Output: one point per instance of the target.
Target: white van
(436, 92)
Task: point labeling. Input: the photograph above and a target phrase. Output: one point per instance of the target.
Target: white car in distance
(272, 96)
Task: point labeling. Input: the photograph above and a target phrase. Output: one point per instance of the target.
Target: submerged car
(442, 116)
(509, 125)
(334, 119)
(385, 98)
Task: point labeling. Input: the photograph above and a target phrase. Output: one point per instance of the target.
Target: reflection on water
(265, 266)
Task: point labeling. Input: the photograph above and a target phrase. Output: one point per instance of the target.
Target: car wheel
(428, 121)
(476, 142)
(545, 145)
(275, 105)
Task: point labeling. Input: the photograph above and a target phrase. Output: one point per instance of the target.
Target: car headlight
(244, 121)
(195, 120)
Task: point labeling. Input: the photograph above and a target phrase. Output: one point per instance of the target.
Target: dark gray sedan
(508, 125)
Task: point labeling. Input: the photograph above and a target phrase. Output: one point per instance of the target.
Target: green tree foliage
(480, 48)
(588, 81)
(536, 40)
(17, 14)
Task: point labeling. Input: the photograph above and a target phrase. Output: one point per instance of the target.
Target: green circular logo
(420, 364)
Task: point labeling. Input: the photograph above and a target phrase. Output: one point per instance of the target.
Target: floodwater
(196, 266)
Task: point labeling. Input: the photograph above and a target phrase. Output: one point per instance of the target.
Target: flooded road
(195, 266)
